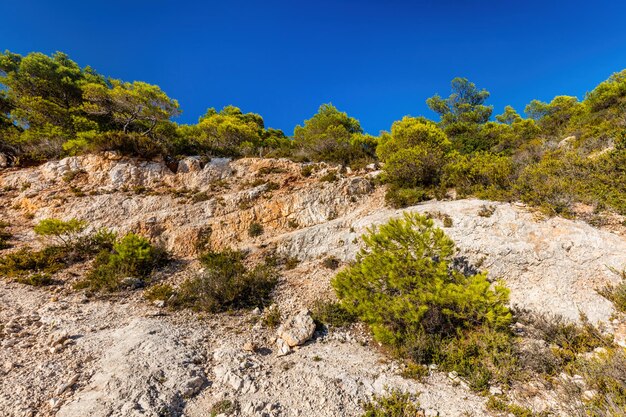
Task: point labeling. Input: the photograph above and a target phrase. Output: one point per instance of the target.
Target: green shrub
(35, 280)
(272, 317)
(404, 287)
(331, 262)
(330, 176)
(226, 284)
(395, 404)
(332, 314)
(483, 175)
(307, 170)
(605, 374)
(616, 293)
(159, 292)
(64, 233)
(26, 261)
(496, 404)
(5, 236)
(224, 407)
(131, 257)
(405, 197)
(255, 229)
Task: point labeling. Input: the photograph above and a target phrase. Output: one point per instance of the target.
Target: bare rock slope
(127, 357)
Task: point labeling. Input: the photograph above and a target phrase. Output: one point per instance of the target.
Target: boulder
(298, 329)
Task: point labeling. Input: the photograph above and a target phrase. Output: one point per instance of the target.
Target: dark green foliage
(404, 287)
(5, 236)
(333, 136)
(330, 176)
(332, 314)
(129, 263)
(224, 407)
(405, 197)
(331, 262)
(395, 404)
(462, 115)
(159, 292)
(226, 283)
(255, 229)
(482, 174)
(26, 261)
(35, 280)
(51, 107)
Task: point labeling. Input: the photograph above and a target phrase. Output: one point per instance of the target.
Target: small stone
(62, 388)
(193, 386)
(589, 395)
(495, 391)
(58, 338)
(283, 347)
(454, 376)
(249, 347)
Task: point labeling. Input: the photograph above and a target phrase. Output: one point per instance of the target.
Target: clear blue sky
(377, 60)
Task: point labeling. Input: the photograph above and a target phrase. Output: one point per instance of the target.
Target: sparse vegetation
(255, 229)
(224, 407)
(486, 211)
(332, 314)
(616, 293)
(5, 235)
(331, 262)
(226, 283)
(272, 317)
(128, 264)
(159, 292)
(395, 404)
(330, 176)
(63, 233)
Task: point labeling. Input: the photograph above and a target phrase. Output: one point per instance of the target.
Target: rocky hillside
(66, 354)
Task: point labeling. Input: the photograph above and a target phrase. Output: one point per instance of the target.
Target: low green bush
(332, 314)
(331, 262)
(255, 229)
(5, 236)
(226, 283)
(132, 257)
(27, 261)
(330, 176)
(395, 404)
(63, 233)
(35, 280)
(616, 293)
(159, 292)
(405, 197)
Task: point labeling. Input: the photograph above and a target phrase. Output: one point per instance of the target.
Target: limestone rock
(298, 329)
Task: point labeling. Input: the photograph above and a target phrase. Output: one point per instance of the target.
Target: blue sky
(376, 60)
